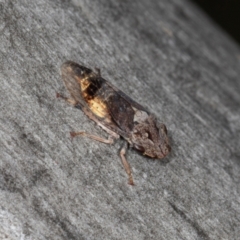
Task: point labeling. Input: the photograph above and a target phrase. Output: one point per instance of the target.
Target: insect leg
(110, 139)
(98, 71)
(126, 164)
(69, 100)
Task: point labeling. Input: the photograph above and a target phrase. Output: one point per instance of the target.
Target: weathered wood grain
(168, 56)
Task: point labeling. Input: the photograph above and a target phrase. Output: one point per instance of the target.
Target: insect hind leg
(110, 139)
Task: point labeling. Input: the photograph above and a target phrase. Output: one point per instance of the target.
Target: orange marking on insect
(98, 107)
(84, 83)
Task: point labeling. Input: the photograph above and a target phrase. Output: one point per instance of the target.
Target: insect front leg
(126, 164)
(69, 100)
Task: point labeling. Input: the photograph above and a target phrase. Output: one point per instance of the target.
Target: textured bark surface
(166, 55)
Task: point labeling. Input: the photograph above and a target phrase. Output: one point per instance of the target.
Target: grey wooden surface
(168, 56)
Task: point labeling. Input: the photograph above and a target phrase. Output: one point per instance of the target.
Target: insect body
(115, 112)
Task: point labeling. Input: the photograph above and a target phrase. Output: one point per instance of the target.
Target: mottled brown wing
(93, 94)
(121, 108)
(127, 98)
(121, 112)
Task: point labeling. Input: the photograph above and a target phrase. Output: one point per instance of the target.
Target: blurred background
(226, 13)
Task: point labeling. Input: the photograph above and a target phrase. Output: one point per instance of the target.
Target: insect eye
(139, 147)
(146, 135)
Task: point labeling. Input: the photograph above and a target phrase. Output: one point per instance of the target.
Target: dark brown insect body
(115, 112)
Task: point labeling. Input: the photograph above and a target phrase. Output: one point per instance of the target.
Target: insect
(115, 112)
